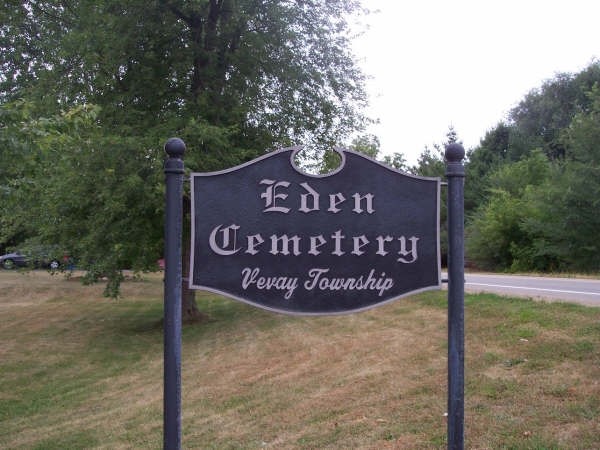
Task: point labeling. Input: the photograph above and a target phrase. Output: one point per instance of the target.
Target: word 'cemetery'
(226, 241)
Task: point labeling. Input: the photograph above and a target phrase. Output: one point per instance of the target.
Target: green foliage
(97, 197)
(583, 134)
(537, 122)
(580, 193)
(545, 112)
(566, 219)
(484, 159)
(368, 145)
(542, 215)
(496, 235)
(533, 184)
(431, 162)
(30, 147)
(270, 74)
(494, 232)
(90, 91)
(397, 161)
(515, 178)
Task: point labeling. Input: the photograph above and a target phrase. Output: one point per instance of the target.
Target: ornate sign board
(268, 234)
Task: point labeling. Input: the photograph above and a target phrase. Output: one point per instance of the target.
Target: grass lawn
(81, 371)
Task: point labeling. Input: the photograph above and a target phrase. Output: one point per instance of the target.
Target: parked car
(14, 260)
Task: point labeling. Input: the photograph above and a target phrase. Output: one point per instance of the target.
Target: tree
(500, 145)
(497, 237)
(532, 183)
(431, 164)
(91, 194)
(544, 112)
(397, 161)
(232, 78)
(367, 144)
(566, 217)
(18, 159)
(431, 160)
(264, 74)
(537, 122)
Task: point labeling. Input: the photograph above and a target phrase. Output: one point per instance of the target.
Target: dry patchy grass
(82, 371)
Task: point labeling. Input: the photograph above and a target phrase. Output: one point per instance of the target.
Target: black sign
(268, 234)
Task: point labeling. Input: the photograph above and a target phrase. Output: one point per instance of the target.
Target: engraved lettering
(318, 281)
(271, 196)
(252, 277)
(226, 245)
(337, 237)
(314, 195)
(358, 203)
(254, 241)
(381, 244)
(284, 239)
(359, 242)
(334, 201)
(315, 243)
(403, 252)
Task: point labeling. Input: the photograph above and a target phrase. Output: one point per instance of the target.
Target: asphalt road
(577, 290)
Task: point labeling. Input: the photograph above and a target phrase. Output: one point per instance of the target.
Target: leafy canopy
(533, 184)
(256, 75)
(89, 92)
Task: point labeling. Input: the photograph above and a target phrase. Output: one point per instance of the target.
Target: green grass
(80, 371)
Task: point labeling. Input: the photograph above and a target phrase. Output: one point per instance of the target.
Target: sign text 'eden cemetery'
(271, 235)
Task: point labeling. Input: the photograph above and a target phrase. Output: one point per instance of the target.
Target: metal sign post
(270, 235)
(172, 313)
(455, 172)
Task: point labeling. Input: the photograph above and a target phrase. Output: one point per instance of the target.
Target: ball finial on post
(175, 148)
(455, 152)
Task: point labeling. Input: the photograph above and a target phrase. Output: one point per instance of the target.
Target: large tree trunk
(189, 308)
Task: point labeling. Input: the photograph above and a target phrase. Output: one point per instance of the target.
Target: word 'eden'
(310, 201)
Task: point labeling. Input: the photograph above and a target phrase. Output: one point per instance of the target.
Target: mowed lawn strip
(81, 371)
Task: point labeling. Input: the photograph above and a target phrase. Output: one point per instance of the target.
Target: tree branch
(178, 13)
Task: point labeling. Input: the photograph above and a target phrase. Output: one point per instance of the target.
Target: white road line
(533, 289)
